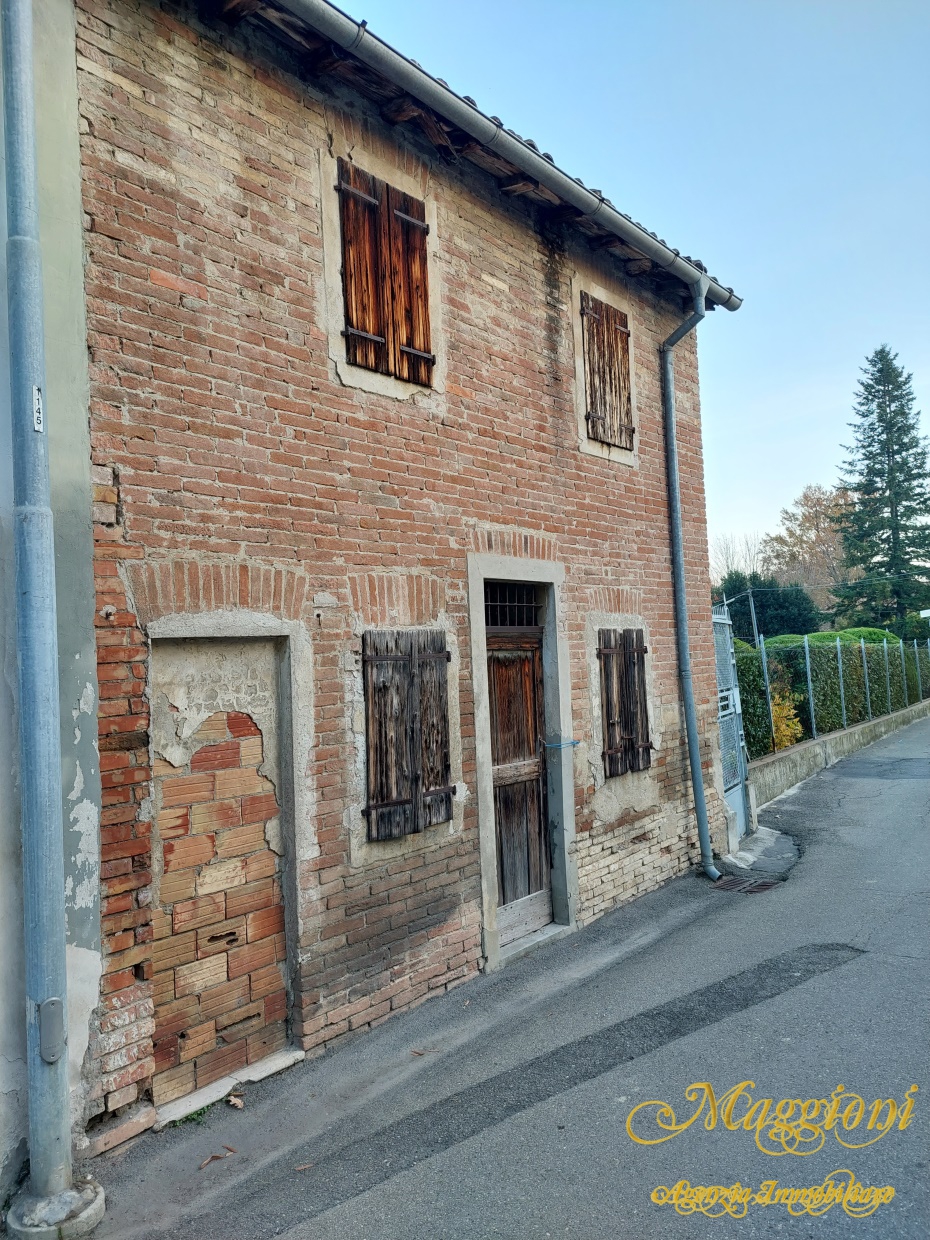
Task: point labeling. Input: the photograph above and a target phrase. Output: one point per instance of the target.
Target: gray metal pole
(920, 683)
(865, 673)
(51, 1205)
(678, 576)
(904, 672)
(839, 661)
(887, 677)
(810, 686)
(752, 613)
(39, 723)
(768, 689)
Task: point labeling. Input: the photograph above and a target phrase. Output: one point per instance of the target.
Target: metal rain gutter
(52, 1204)
(356, 38)
(699, 291)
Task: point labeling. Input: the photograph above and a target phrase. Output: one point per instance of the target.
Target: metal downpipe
(50, 1205)
(699, 289)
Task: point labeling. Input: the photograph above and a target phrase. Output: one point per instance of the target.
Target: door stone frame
(559, 761)
(295, 741)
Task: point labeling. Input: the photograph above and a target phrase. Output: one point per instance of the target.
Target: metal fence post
(865, 673)
(768, 688)
(887, 678)
(904, 672)
(920, 683)
(810, 686)
(839, 661)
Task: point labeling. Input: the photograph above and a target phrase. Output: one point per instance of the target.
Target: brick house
(383, 605)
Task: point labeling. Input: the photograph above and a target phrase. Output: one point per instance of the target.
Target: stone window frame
(364, 852)
(333, 300)
(583, 282)
(594, 622)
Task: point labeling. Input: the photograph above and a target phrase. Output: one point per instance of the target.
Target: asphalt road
(512, 1122)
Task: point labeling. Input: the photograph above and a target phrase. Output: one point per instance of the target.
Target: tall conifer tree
(886, 530)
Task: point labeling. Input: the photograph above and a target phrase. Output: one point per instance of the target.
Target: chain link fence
(794, 692)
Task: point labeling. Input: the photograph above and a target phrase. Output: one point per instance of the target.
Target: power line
(832, 585)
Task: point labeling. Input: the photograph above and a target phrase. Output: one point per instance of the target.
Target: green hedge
(903, 685)
(752, 700)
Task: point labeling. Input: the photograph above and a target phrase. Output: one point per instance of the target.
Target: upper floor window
(384, 277)
(608, 395)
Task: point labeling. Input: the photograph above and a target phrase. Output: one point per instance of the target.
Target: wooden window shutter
(436, 789)
(366, 291)
(609, 400)
(624, 712)
(384, 277)
(407, 732)
(407, 230)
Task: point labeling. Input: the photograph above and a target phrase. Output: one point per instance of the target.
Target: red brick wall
(250, 476)
(219, 951)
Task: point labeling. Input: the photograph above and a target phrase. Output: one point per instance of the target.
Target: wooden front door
(518, 756)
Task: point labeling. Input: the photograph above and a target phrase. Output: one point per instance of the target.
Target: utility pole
(752, 613)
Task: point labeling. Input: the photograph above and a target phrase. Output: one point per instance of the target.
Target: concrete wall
(66, 405)
(769, 777)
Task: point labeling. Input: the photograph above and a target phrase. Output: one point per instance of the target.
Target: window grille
(512, 604)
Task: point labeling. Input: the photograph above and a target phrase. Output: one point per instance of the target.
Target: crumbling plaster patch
(84, 970)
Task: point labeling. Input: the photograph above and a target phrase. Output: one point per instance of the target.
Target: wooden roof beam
(229, 11)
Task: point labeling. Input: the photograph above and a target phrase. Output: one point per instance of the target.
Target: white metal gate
(732, 741)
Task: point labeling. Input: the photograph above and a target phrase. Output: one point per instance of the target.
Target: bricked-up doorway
(219, 954)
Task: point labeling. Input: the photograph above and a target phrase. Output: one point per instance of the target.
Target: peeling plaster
(81, 885)
(84, 970)
(78, 782)
(193, 680)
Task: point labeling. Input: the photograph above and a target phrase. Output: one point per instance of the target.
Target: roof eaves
(356, 39)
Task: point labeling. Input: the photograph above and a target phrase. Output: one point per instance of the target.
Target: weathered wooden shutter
(384, 277)
(606, 333)
(624, 712)
(365, 278)
(407, 732)
(407, 230)
(436, 784)
(391, 710)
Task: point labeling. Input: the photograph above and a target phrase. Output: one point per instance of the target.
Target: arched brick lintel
(181, 585)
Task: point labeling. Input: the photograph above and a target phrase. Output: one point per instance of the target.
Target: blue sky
(784, 142)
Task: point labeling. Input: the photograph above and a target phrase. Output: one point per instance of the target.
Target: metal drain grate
(745, 886)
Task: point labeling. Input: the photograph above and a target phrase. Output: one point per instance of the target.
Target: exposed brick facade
(239, 471)
(219, 944)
